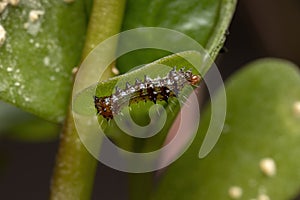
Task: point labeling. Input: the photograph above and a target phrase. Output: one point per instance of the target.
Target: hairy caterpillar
(158, 89)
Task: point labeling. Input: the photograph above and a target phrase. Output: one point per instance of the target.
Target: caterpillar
(158, 89)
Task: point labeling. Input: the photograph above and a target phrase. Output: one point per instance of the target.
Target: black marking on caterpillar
(150, 89)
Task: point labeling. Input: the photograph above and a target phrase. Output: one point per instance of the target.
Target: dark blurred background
(268, 28)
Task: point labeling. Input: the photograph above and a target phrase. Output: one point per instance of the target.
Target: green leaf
(36, 62)
(205, 21)
(19, 125)
(262, 122)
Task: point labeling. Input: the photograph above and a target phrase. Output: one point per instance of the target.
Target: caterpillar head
(192, 78)
(103, 106)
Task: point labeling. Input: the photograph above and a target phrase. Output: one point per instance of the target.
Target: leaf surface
(38, 55)
(205, 21)
(262, 122)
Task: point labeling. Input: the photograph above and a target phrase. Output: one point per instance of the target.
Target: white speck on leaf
(37, 45)
(235, 192)
(2, 35)
(52, 78)
(57, 69)
(296, 108)
(26, 25)
(17, 84)
(74, 70)
(27, 99)
(263, 197)
(9, 69)
(115, 71)
(47, 61)
(34, 23)
(268, 166)
(2, 6)
(34, 28)
(34, 15)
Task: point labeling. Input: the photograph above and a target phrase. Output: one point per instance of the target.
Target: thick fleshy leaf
(43, 43)
(262, 122)
(205, 21)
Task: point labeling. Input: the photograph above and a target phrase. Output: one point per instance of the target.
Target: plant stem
(105, 21)
(75, 168)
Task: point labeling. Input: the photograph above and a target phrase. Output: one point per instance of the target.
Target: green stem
(75, 168)
(105, 21)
